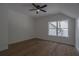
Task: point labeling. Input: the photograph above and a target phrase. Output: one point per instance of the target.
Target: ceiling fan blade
(43, 10)
(43, 6)
(32, 9)
(34, 5)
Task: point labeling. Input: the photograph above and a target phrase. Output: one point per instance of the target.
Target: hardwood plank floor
(37, 47)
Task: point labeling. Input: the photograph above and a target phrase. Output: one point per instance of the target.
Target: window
(52, 28)
(58, 28)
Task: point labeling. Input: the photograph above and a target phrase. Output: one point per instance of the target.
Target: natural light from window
(58, 28)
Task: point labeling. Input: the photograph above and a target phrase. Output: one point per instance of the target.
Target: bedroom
(39, 33)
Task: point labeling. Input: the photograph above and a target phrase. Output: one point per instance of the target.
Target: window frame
(57, 28)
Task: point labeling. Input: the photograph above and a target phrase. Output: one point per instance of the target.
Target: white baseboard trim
(54, 40)
(19, 40)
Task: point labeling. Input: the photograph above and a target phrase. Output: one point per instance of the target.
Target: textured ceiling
(71, 9)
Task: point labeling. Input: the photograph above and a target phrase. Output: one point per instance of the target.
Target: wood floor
(37, 47)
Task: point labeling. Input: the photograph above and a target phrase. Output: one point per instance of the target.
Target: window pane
(63, 24)
(58, 28)
(63, 32)
(60, 32)
(52, 32)
(52, 24)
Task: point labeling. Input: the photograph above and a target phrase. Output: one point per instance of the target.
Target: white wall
(20, 27)
(3, 28)
(42, 28)
(77, 34)
(14, 27)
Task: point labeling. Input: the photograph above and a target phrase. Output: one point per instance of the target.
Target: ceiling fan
(38, 8)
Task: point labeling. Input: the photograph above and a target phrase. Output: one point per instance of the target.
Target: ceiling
(71, 9)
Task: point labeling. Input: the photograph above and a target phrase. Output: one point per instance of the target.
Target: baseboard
(20, 41)
(58, 42)
(40, 39)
